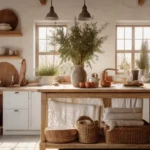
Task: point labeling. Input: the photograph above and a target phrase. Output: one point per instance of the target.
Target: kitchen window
(128, 44)
(46, 49)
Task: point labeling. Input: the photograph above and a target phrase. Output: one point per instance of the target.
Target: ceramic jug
(106, 80)
(95, 79)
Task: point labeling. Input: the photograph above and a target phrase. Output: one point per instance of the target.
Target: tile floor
(20, 143)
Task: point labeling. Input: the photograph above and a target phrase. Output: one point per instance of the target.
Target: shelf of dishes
(9, 53)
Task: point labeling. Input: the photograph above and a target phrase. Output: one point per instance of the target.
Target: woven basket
(61, 136)
(127, 135)
(87, 132)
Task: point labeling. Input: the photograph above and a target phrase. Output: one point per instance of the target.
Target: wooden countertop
(69, 88)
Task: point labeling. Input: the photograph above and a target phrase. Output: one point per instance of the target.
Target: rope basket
(87, 131)
(127, 135)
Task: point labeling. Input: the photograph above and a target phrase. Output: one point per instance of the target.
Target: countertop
(69, 88)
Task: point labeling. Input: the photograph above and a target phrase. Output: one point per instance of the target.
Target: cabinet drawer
(15, 119)
(15, 100)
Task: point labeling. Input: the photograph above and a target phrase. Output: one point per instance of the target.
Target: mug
(10, 52)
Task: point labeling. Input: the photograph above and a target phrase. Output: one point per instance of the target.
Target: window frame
(37, 52)
(132, 51)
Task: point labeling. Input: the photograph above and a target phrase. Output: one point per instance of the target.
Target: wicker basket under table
(127, 135)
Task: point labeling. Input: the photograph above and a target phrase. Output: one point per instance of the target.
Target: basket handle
(85, 118)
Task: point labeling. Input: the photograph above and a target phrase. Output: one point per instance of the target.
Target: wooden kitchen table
(68, 91)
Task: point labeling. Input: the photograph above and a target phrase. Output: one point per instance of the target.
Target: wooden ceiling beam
(141, 2)
(43, 2)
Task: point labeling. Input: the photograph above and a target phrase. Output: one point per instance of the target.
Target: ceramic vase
(78, 75)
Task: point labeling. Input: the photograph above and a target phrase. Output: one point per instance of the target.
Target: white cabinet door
(35, 111)
(15, 100)
(15, 119)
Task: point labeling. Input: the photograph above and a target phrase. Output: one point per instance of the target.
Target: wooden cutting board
(22, 79)
(7, 70)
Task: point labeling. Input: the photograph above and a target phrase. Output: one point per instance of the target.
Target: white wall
(103, 11)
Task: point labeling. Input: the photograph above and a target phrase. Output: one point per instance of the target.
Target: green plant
(81, 44)
(143, 62)
(47, 70)
(125, 66)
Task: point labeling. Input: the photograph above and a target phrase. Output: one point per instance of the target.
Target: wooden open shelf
(100, 145)
(11, 33)
(10, 57)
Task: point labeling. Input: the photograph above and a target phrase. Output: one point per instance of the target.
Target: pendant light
(84, 15)
(51, 15)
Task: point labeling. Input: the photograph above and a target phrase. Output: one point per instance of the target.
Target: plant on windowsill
(143, 62)
(80, 46)
(47, 73)
(125, 66)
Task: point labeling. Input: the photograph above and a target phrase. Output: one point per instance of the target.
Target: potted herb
(47, 73)
(80, 46)
(143, 62)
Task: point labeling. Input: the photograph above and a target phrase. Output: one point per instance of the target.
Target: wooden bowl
(8, 16)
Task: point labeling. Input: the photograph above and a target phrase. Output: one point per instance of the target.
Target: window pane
(128, 45)
(56, 58)
(42, 45)
(120, 44)
(120, 32)
(50, 31)
(42, 33)
(138, 32)
(146, 32)
(49, 59)
(148, 44)
(123, 62)
(128, 33)
(50, 47)
(138, 44)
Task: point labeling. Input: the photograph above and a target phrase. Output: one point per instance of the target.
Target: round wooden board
(7, 70)
(8, 16)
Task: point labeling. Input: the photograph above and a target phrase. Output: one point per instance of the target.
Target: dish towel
(122, 116)
(114, 123)
(122, 110)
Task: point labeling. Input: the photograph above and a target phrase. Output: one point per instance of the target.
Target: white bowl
(2, 51)
(5, 27)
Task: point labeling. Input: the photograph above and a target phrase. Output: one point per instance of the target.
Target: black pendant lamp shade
(51, 15)
(84, 15)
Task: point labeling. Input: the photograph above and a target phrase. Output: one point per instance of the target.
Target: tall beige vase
(78, 75)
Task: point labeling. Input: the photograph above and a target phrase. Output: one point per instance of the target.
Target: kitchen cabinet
(21, 112)
(35, 113)
(15, 110)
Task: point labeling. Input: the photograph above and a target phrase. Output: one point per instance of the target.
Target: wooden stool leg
(42, 146)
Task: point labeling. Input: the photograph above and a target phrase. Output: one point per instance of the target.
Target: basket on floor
(127, 135)
(87, 132)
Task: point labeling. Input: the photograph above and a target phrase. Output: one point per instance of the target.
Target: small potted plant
(47, 73)
(143, 62)
(80, 45)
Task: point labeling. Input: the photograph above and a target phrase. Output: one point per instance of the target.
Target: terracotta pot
(78, 75)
